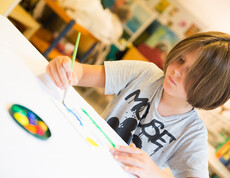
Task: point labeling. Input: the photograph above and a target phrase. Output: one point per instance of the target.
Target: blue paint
(32, 118)
(69, 110)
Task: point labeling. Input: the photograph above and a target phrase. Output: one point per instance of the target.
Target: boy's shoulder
(196, 124)
(134, 64)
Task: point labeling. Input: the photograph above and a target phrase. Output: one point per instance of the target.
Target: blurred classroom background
(147, 34)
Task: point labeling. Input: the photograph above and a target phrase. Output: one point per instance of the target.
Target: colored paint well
(30, 121)
(22, 119)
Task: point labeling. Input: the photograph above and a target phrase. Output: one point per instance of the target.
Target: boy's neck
(170, 105)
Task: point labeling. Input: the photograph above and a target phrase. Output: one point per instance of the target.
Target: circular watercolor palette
(30, 121)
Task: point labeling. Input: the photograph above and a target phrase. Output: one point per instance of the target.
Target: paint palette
(30, 121)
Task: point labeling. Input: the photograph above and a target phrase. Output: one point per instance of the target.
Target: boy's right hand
(59, 69)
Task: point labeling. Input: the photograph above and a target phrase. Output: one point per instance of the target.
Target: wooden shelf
(41, 40)
(216, 165)
(62, 14)
(21, 15)
(42, 45)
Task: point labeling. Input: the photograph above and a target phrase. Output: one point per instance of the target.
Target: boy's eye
(181, 61)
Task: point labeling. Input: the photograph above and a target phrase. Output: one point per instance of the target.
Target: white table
(65, 153)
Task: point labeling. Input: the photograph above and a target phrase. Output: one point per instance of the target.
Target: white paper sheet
(65, 153)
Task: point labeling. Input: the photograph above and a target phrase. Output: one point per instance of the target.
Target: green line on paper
(99, 128)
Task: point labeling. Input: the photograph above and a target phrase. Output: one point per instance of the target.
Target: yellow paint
(43, 126)
(22, 119)
(91, 141)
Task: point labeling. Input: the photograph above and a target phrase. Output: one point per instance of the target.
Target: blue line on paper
(74, 114)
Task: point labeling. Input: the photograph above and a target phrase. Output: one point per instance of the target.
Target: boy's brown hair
(208, 81)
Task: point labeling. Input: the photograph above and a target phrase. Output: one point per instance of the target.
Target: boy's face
(176, 73)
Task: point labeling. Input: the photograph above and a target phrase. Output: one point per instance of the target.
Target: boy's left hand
(136, 161)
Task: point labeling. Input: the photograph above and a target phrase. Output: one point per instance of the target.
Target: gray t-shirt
(178, 142)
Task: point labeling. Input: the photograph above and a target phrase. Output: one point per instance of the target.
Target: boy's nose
(180, 70)
(177, 72)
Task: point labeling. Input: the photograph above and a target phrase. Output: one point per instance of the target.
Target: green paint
(99, 128)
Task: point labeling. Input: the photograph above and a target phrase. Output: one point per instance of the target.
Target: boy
(155, 110)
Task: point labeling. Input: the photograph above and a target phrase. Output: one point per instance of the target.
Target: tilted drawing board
(71, 150)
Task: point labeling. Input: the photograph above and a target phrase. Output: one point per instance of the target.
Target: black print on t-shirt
(155, 136)
(154, 130)
(124, 129)
(142, 103)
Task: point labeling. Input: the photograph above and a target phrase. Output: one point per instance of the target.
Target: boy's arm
(59, 69)
(92, 76)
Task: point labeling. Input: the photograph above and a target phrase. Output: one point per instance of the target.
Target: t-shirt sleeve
(118, 74)
(191, 158)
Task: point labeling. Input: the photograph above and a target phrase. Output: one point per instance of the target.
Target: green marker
(99, 128)
(73, 59)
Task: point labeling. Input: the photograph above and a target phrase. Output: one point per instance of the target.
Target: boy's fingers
(116, 152)
(62, 75)
(134, 170)
(48, 70)
(59, 69)
(132, 145)
(74, 80)
(55, 75)
(129, 160)
(128, 149)
(67, 67)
